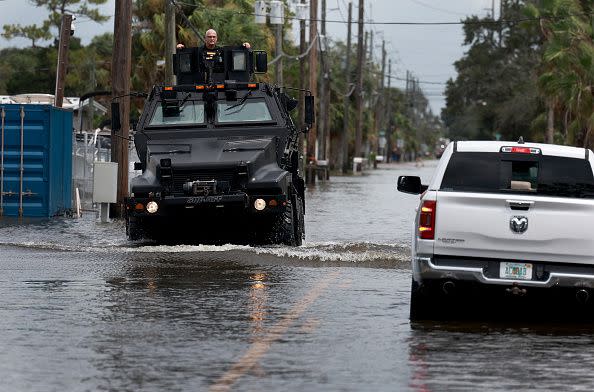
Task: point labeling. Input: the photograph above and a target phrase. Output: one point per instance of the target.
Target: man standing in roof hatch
(210, 41)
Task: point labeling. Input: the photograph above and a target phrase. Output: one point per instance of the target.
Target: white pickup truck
(507, 218)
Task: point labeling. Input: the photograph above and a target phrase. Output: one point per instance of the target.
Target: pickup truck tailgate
(515, 227)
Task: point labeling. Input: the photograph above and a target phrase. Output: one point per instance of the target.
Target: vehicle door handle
(523, 205)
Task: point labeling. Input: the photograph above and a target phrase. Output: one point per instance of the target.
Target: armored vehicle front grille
(181, 176)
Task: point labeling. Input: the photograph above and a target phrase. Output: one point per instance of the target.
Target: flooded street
(83, 309)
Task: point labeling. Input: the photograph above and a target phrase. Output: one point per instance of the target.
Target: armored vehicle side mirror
(116, 124)
(291, 104)
(411, 184)
(309, 110)
(261, 61)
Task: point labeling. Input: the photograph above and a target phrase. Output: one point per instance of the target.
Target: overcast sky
(427, 51)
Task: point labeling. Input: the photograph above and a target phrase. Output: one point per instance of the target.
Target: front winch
(200, 188)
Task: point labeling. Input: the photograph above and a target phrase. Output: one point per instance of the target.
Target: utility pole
(407, 95)
(302, 86)
(390, 115)
(91, 110)
(383, 78)
(170, 41)
(368, 64)
(344, 156)
(277, 20)
(380, 107)
(409, 102)
(302, 71)
(371, 46)
(313, 76)
(323, 129)
(359, 90)
(499, 25)
(383, 83)
(63, 60)
(120, 80)
(278, 68)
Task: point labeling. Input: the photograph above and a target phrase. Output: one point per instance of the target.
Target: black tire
(281, 230)
(286, 225)
(133, 230)
(421, 306)
(299, 222)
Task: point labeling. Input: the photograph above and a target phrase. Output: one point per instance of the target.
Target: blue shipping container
(35, 160)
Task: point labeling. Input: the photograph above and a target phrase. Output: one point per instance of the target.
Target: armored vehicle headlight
(259, 204)
(152, 207)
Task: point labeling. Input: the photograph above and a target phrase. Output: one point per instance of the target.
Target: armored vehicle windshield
(191, 113)
(249, 111)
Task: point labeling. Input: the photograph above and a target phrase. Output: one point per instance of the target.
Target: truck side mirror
(309, 110)
(261, 61)
(292, 103)
(289, 102)
(411, 184)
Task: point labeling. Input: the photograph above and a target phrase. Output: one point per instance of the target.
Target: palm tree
(567, 75)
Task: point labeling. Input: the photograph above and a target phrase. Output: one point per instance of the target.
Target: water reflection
(257, 304)
(501, 356)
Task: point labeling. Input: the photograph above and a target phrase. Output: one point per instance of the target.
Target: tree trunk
(549, 137)
(589, 139)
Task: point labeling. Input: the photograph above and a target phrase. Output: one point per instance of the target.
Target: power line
(296, 56)
(418, 81)
(340, 10)
(393, 77)
(436, 8)
(371, 22)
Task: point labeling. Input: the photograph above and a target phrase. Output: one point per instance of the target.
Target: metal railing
(86, 150)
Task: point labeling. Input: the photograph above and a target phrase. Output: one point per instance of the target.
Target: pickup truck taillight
(427, 220)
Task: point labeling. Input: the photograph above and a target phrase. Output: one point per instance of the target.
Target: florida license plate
(516, 271)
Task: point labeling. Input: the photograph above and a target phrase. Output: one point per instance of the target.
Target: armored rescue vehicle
(219, 155)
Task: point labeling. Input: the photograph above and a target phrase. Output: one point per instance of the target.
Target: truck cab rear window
(518, 173)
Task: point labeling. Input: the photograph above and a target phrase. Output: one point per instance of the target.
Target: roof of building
(39, 98)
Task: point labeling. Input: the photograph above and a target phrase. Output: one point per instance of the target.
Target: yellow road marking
(259, 348)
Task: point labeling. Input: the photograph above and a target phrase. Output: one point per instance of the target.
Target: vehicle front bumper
(176, 205)
(484, 271)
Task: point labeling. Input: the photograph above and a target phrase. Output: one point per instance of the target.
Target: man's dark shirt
(213, 55)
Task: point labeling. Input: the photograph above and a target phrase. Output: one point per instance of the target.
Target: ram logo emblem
(518, 224)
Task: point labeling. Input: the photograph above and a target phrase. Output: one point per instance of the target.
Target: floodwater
(82, 309)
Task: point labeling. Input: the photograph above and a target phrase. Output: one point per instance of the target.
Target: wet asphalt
(82, 309)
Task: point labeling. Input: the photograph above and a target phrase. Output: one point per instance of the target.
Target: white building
(72, 103)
